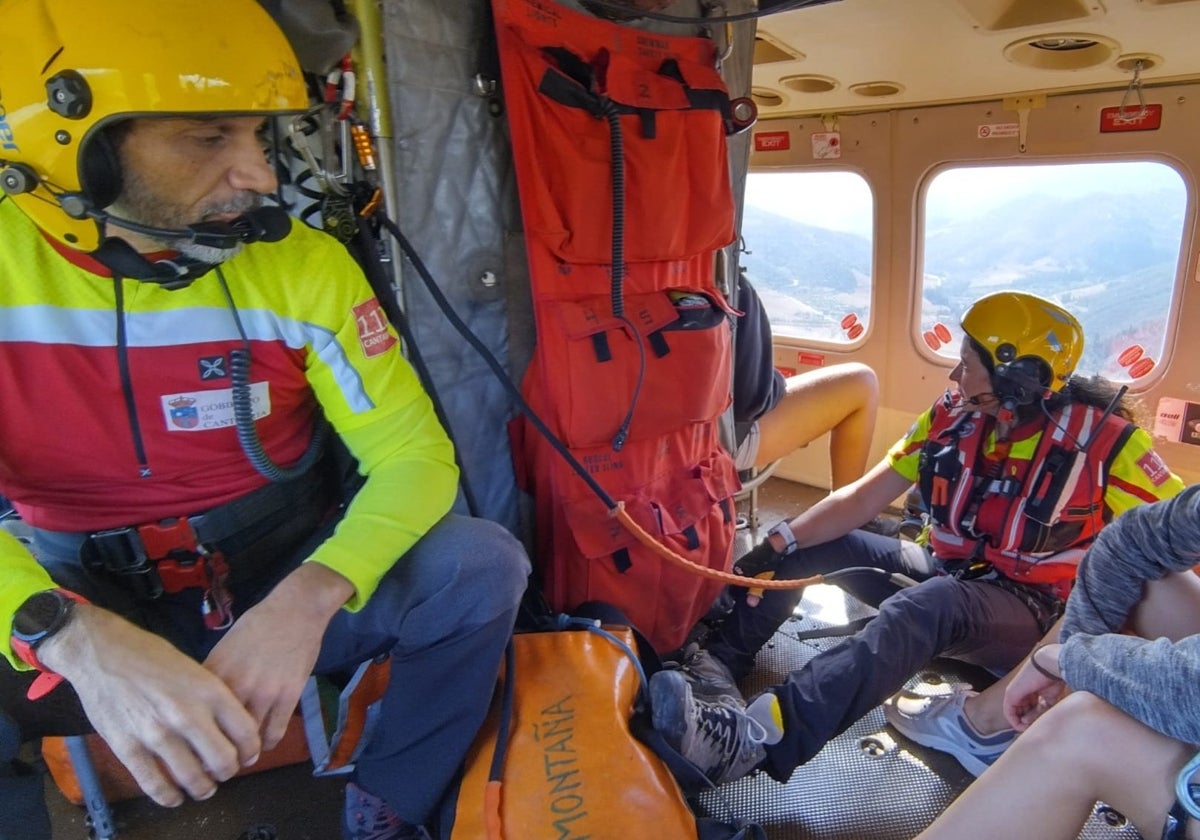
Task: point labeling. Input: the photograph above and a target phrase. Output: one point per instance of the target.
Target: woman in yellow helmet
(1019, 467)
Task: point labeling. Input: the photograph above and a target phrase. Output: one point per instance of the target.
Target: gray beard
(203, 253)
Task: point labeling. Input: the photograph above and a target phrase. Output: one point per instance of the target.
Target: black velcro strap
(572, 65)
(692, 536)
(622, 560)
(658, 343)
(600, 347)
(565, 91)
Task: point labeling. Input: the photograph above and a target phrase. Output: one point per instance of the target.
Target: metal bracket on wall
(1023, 105)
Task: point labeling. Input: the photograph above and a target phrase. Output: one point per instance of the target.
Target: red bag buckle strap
(183, 562)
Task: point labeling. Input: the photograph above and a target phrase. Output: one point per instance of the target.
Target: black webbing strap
(836, 631)
(573, 84)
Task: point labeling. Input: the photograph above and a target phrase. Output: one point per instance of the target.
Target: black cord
(492, 363)
(127, 379)
(617, 286)
(362, 245)
(1108, 410)
(243, 411)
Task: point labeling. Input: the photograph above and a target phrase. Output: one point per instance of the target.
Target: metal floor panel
(867, 783)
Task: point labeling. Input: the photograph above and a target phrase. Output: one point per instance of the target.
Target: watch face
(40, 615)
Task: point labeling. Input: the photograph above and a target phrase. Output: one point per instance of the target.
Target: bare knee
(863, 382)
(1071, 726)
(1109, 755)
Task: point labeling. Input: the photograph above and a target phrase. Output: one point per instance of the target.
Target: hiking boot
(711, 678)
(368, 817)
(939, 722)
(724, 739)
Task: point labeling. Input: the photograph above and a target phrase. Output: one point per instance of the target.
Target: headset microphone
(978, 399)
(263, 224)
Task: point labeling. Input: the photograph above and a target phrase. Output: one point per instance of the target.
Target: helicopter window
(808, 240)
(1101, 239)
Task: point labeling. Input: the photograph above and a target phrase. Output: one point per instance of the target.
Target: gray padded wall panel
(457, 204)
(456, 196)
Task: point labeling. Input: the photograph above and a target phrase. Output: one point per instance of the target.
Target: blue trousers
(444, 611)
(971, 620)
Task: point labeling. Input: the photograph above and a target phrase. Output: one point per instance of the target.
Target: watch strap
(44, 682)
(784, 532)
(27, 651)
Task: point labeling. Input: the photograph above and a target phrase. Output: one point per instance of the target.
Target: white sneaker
(938, 722)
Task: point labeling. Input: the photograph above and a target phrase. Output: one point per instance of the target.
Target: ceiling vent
(809, 83)
(766, 98)
(874, 90)
(999, 15)
(1062, 51)
(768, 50)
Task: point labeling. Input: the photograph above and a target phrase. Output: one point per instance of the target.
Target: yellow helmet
(1030, 344)
(77, 66)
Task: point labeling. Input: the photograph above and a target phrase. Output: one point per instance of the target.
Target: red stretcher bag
(632, 368)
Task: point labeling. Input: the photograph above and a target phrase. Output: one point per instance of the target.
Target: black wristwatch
(37, 619)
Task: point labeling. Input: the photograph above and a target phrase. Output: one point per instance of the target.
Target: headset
(1021, 381)
(101, 181)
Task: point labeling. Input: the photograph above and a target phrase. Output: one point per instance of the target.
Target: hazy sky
(842, 200)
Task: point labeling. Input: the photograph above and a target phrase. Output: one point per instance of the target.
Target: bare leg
(1045, 785)
(842, 400)
(1169, 607)
(985, 710)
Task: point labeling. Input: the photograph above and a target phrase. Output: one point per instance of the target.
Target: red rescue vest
(1031, 518)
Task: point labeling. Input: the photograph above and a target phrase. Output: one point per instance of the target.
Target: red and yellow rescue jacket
(1030, 506)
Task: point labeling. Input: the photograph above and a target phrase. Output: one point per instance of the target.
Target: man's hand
(174, 725)
(268, 654)
(1032, 692)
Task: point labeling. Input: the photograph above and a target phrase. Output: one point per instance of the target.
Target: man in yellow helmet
(1019, 467)
(172, 356)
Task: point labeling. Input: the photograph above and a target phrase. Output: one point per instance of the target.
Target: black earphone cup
(1021, 380)
(100, 170)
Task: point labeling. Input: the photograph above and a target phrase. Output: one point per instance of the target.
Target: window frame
(808, 342)
(1172, 324)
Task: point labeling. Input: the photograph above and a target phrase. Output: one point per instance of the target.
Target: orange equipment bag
(619, 140)
(567, 765)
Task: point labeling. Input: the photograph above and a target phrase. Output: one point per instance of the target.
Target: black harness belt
(183, 552)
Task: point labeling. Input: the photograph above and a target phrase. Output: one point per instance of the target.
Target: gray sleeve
(1156, 682)
(1145, 543)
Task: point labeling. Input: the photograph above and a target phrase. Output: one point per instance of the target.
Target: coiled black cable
(616, 144)
(243, 411)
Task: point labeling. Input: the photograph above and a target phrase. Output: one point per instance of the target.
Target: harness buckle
(177, 555)
(121, 552)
